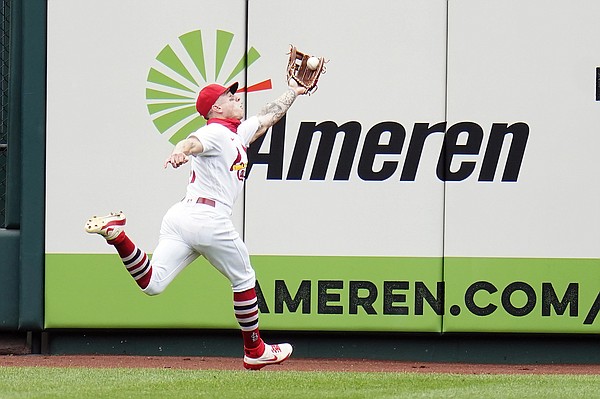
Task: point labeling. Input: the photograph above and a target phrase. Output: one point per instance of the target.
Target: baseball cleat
(274, 354)
(108, 226)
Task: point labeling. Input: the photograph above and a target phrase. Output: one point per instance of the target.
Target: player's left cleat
(109, 226)
(274, 354)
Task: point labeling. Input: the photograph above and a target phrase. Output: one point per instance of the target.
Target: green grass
(42, 382)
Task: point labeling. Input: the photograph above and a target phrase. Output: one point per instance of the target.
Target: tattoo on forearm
(276, 109)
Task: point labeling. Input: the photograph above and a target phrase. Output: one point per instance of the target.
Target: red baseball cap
(209, 94)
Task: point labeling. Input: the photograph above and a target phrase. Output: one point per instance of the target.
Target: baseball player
(200, 224)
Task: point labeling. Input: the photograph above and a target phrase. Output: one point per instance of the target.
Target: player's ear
(216, 108)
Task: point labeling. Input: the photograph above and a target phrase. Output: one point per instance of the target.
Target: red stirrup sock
(135, 260)
(245, 306)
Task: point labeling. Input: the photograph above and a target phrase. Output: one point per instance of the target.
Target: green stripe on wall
(524, 288)
(313, 293)
(94, 291)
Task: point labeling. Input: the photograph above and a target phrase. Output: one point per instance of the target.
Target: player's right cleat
(274, 354)
(109, 226)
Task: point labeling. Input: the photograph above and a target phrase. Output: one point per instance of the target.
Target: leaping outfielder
(200, 224)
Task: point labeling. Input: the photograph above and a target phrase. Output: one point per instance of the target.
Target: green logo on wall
(179, 74)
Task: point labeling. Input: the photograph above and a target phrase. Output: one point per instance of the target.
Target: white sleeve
(247, 129)
(211, 140)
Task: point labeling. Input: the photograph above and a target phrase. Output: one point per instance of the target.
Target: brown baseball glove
(305, 69)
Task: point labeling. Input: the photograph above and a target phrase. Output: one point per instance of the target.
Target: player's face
(231, 106)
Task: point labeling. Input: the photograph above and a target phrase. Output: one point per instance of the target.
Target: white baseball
(312, 63)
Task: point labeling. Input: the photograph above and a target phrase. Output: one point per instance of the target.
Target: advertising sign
(440, 179)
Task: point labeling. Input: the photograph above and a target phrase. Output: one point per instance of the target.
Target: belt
(206, 201)
(221, 207)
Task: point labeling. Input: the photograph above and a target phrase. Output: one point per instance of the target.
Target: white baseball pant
(189, 230)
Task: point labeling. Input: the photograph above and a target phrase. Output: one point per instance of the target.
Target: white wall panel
(103, 152)
(531, 62)
(387, 63)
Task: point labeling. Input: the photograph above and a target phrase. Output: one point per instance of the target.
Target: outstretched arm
(182, 150)
(273, 111)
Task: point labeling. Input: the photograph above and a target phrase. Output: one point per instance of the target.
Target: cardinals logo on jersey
(240, 165)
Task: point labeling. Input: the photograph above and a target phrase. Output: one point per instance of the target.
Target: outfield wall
(441, 179)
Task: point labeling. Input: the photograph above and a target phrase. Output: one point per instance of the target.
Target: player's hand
(176, 160)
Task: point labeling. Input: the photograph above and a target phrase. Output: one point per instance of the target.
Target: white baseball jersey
(218, 172)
